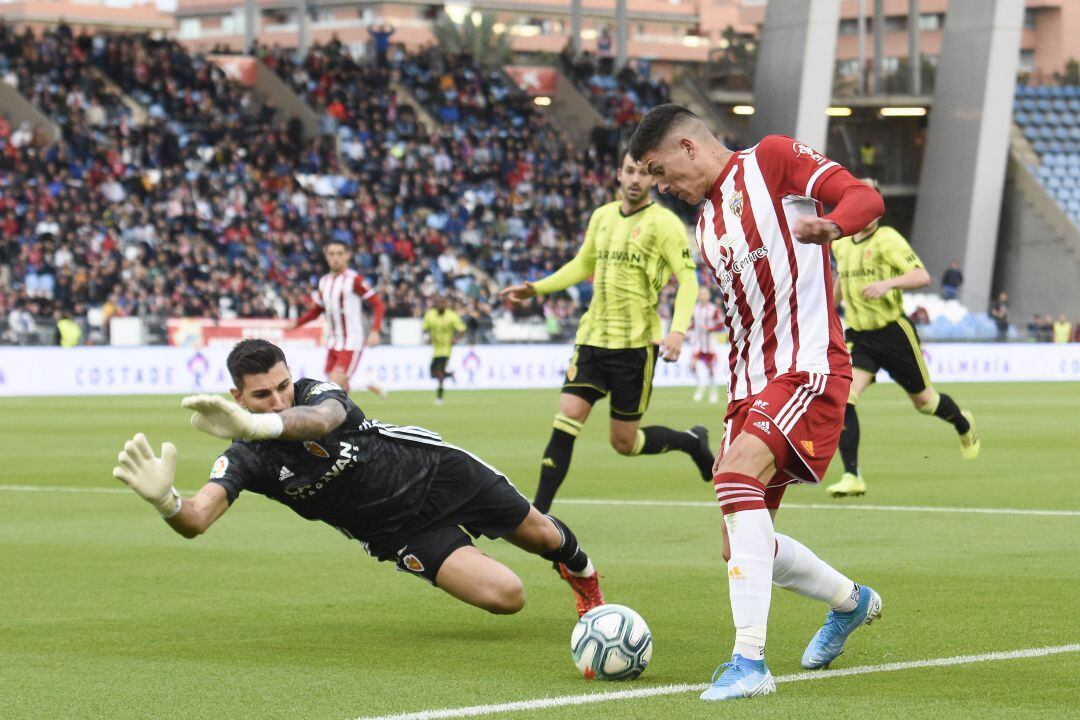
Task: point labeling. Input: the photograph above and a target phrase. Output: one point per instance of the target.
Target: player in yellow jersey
(443, 327)
(874, 266)
(632, 247)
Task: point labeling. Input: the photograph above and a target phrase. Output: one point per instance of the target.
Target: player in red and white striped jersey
(763, 234)
(706, 319)
(340, 297)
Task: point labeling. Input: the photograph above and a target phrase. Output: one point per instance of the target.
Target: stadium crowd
(190, 197)
(222, 214)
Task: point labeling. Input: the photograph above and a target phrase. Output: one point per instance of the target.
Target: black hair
(336, 241)
(655, 126)
(252, 357)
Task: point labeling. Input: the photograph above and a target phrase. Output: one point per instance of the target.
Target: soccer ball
(611, 642)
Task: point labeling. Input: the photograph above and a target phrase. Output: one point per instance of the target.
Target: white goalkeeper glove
(150, 477)
(217, 416)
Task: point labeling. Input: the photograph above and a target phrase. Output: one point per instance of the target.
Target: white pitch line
(564, 700)
(655, 503)
(827, 506)
(63, 488)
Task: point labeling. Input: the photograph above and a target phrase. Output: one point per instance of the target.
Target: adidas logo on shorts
(285, 474)
(763, 426)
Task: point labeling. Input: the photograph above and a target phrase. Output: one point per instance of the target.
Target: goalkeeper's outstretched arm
(151, 478)
(200, 511)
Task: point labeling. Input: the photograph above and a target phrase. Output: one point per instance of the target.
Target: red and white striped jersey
(777, 291)
(706, 320)
(341, 299)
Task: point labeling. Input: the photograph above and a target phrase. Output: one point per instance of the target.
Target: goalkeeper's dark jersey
(365, 478)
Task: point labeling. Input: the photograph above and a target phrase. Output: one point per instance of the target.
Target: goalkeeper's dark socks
(569, 553)
(657, 439)
(439, 392)
(949, 411)
(556, 462)
(849, 440)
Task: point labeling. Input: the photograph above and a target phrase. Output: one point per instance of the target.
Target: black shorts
(438, 364)
(465, 493)
(626, 374)
(894, 348)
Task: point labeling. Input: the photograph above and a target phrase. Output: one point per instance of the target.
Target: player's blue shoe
(740, 678)
(829, 641)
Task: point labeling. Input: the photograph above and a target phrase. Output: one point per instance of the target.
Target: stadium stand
(221, 214)
(1049, 117)
(622, 97)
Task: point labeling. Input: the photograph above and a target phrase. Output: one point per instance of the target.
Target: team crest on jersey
(220, 466)
(868, 254)
(736, 203)
(635, 233)
(808, 446)
(413, 563)
(315, 449)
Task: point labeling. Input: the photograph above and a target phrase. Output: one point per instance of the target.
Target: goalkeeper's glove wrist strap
(169, 505)
(267, 426)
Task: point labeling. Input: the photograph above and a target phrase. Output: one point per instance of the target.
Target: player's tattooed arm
(224, 419)
(310, 422)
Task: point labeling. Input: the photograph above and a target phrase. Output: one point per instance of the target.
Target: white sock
(750, 536)
(587, 571)
(798, 569)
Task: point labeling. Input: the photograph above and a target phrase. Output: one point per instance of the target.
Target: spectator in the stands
(380, 41)
(999, 311)
(68, 331)
(951, 280)
(1041, 328)
(1062, 329)
(868, 160)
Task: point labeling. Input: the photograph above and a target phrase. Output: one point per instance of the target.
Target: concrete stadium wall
(967, 142)
(1038, 254)
(571, 111)
(270, 87)
(18, 110)
(793, 72)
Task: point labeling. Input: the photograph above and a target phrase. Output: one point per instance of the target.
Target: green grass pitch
(106, 613)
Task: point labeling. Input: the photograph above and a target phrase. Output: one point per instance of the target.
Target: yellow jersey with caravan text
(881, 255)
(631, 257)
(442, 327)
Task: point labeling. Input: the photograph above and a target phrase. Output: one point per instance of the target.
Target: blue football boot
(829, 641)
(740, 678)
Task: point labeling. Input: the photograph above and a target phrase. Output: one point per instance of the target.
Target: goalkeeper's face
(271, 391)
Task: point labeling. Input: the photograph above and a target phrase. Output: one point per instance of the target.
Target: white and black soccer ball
(611, 642)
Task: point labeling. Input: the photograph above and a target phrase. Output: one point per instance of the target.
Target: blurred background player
(443, 327)
(340, 296)
(631, 248)
(707, 319)
(401, 491)
(761, 235)
(874, 266)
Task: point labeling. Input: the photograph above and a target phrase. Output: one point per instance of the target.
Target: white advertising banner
(165, 370)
